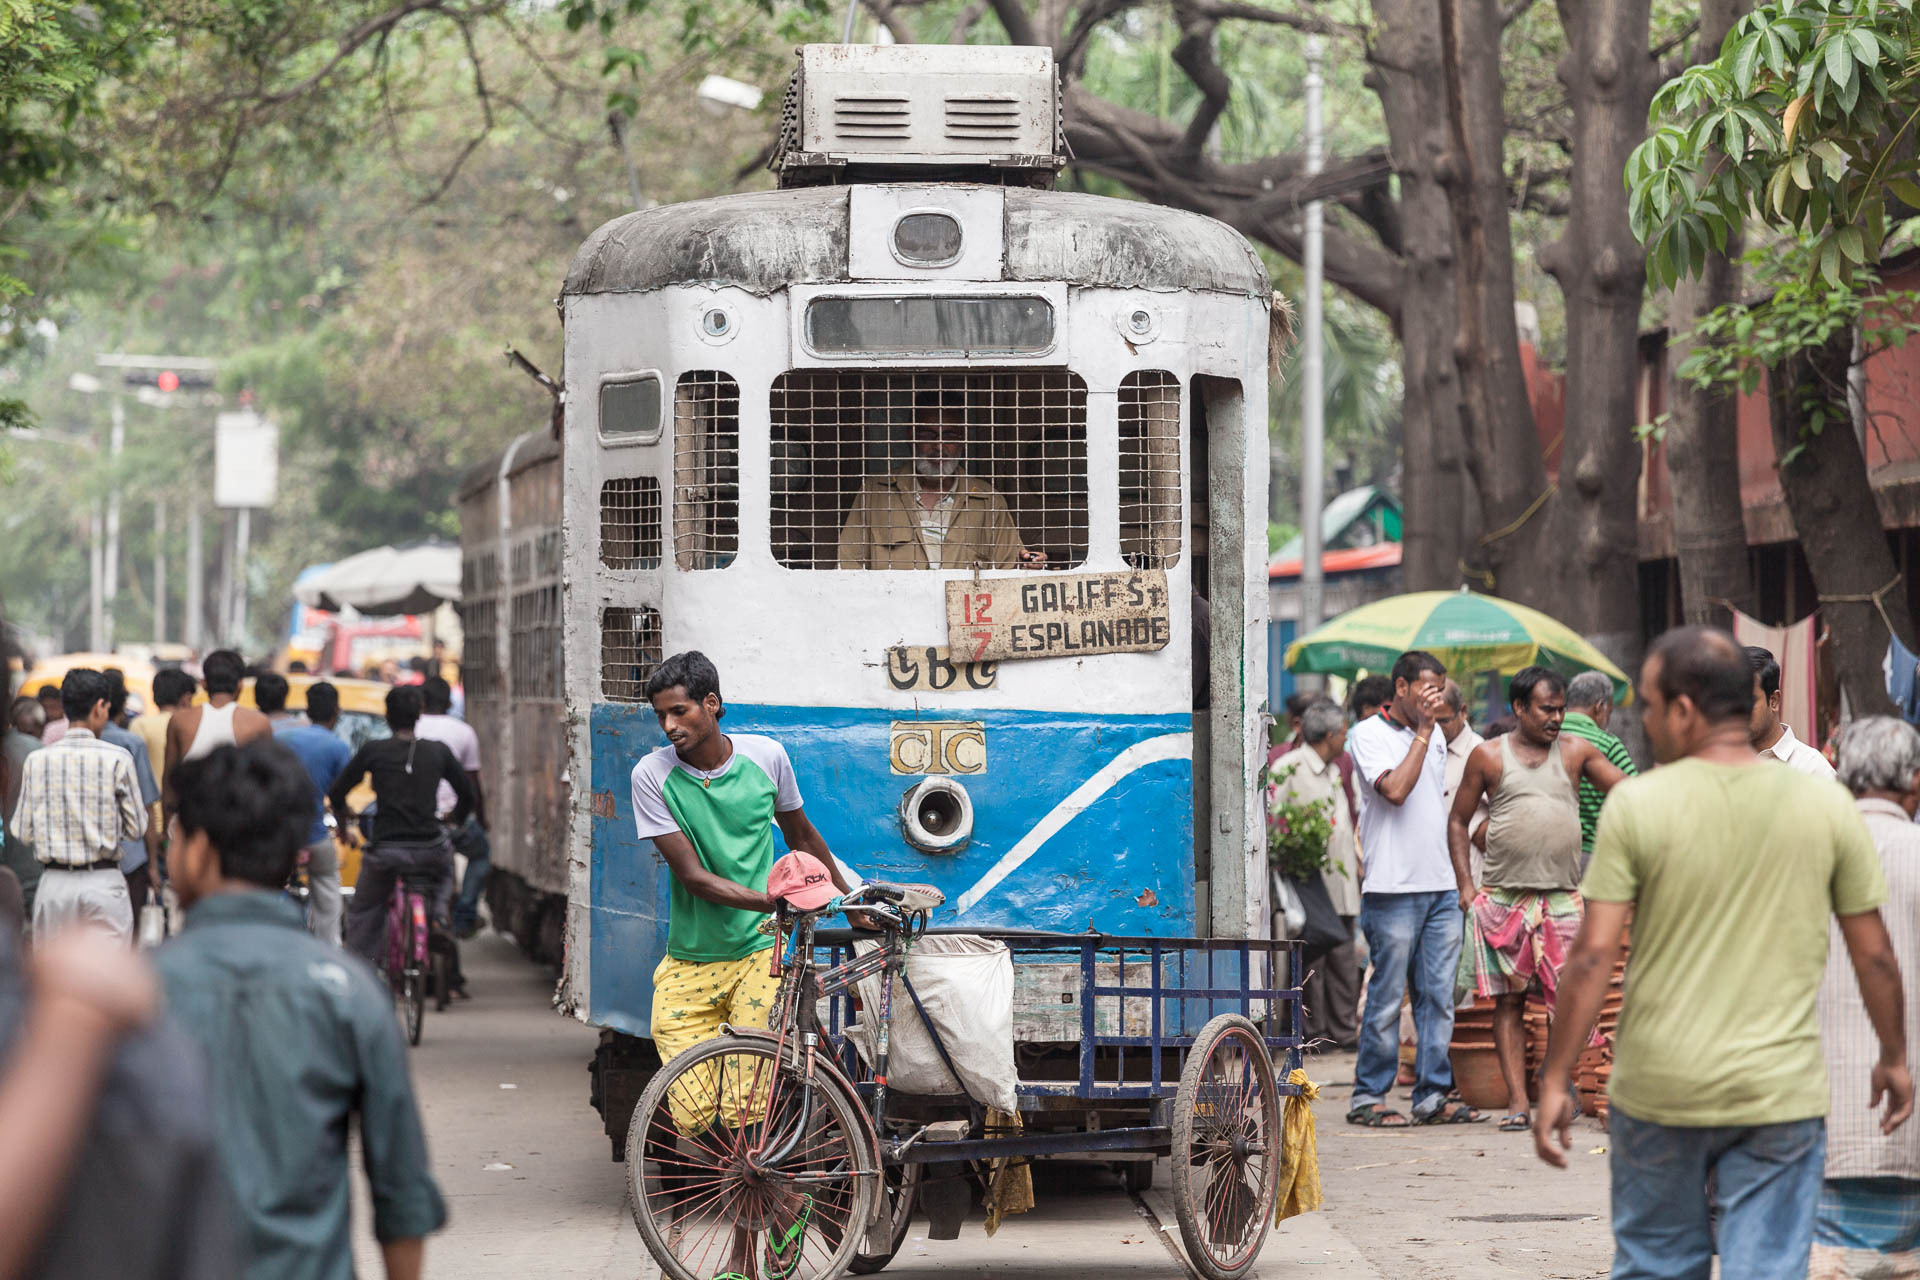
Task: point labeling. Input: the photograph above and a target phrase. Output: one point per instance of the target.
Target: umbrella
(1467, 631)
(414, 577)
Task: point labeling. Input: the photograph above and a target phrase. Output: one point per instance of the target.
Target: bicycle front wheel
(737, 1165)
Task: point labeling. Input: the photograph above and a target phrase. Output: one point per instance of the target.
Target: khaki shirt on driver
(883, 528)
(1734, 871)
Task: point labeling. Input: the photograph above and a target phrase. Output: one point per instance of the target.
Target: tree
(1801, 342)
(1802, 124)
(1702, 432)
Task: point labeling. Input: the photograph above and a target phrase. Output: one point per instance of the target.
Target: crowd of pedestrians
(189, 1116)
(1760, 1086)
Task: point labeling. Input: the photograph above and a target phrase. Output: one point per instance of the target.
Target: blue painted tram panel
(753, 383)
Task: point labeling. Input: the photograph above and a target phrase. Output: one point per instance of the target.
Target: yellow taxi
(363, 715)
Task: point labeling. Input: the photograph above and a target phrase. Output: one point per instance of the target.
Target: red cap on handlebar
(801, 880)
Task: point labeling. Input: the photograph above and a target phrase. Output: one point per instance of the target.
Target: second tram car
(960, 481)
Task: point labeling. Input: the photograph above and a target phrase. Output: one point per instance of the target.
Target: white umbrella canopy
(414, 577)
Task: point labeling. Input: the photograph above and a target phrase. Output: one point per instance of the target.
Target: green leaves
(1805, 121)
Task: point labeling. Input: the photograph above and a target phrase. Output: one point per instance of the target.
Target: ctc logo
(938, 747)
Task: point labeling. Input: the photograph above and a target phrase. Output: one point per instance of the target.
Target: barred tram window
(533, 634)
(1150, 517)
(630, 523)
(480, 656)
(630, 648)
(846, 445)
(706, 470)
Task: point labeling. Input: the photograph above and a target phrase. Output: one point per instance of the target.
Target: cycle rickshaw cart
(783, 1153)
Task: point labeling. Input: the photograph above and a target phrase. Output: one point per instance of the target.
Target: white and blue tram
(743, 372)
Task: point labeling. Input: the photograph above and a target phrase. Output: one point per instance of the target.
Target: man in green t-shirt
(709, 802)
(1729, 870)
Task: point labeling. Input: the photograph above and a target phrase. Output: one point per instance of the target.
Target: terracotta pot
(1476, 1074)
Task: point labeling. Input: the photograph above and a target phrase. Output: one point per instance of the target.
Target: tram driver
(930, 514)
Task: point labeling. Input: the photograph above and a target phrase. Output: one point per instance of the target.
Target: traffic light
(169, 379)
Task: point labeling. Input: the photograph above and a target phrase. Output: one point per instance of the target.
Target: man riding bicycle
(407, 834)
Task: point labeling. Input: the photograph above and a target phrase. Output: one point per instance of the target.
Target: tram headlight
(927, 239)
(936, 816)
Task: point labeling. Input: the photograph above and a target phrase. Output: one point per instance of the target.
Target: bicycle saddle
(910, 897)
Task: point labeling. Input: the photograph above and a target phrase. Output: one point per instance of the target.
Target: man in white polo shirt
(1409, 906)
(1770, 736)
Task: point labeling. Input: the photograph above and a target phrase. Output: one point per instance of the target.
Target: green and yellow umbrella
(1469, 632)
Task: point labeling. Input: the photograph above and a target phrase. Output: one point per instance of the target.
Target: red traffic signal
(167, 380)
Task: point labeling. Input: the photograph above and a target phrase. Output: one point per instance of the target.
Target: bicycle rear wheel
(734, 1164)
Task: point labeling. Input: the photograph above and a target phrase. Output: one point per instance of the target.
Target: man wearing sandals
(1730, 870)
(1520, 924)
(1409, 906)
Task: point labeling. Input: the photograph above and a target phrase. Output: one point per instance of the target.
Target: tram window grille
(847, 439)
(533, 632)
(630, 648)
(630, 523)
(479, 574)
(1150, 515)
(706, 470)
(480, 657)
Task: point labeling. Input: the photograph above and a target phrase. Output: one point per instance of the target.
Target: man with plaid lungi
(1520, 925)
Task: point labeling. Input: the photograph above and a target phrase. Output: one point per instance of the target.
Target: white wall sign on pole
(246, 460)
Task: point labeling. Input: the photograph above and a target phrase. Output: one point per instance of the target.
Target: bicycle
(410, 960)
(753, 1154)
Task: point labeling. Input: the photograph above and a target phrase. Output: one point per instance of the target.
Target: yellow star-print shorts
(691, 999)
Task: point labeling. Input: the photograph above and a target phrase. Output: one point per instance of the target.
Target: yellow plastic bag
(1299, 1153)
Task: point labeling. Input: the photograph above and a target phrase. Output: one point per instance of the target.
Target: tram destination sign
(1058, 615)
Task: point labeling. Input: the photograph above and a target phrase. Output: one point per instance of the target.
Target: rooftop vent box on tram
(919, 113)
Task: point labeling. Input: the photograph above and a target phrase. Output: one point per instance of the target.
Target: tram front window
(879, 470)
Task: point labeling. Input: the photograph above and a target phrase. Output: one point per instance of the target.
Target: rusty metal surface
(765, 241)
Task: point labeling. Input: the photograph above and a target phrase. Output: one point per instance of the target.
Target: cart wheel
(1137, 1175)
(902, 1182)
(703, 1197)
(1226, 1148)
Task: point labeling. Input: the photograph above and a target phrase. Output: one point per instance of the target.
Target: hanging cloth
(1902, 687)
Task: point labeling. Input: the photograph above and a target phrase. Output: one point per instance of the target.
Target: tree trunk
(1503, 449)
(1838, 522)
(1702, 437)
(1441, 515)
(1601, 271)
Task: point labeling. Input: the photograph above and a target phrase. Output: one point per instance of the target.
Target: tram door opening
(1222, 807)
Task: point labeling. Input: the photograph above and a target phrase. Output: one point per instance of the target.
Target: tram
(1045, 700)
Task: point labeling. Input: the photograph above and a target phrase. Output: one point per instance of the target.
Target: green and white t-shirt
(728, 816)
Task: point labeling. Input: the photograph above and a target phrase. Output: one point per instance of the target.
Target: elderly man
(1461, 739)
(1771, 736)
(1310, 774)
(1589, 711)
(931, 514)
(1869, 1222)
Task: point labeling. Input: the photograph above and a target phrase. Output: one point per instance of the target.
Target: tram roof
(765, 241)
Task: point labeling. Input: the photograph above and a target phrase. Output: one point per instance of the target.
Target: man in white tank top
(194, 732)
(1522, 922)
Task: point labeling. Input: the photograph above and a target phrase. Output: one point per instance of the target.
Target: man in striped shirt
(1589, 708)
(79, 798)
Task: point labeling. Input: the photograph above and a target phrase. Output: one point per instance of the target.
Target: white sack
(966, 985)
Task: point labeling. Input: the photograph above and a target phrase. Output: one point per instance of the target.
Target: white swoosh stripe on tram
(1168, 746)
